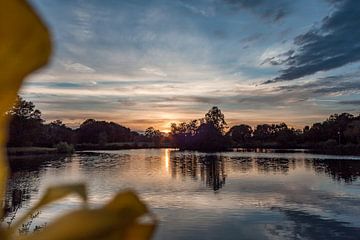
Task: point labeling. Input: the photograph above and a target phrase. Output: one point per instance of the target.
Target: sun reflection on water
(167, 161)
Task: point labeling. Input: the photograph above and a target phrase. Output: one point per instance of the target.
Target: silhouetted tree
(153, 135)
(204, 134)
(263, 132)
(215, 117)
(56, 132)
(101, 132)
(241, 134)
(352, 132)
(208, 138)
(276, 135)
(285, 136)
(332, 128)
(25, 125)
(340, 133)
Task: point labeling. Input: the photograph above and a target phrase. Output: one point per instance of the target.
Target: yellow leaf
(124, 201)
(140, 231)
(57, 192)
(24, 47)
(52, 194)
(116, 220)
(80, 224)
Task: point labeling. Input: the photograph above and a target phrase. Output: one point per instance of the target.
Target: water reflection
(309, 226)
(339, 170)
(100, 161)
(21, 186)
(210, 169)
(347, 171)
(35, 163)
(259, 195)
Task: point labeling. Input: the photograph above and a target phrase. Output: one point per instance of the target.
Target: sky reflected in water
(232, 195)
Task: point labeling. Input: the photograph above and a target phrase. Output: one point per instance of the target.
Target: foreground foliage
(26, 46)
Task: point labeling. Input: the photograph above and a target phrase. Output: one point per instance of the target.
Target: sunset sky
(147, 63)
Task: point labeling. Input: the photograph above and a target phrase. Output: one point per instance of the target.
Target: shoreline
(28, 152)
(34, 157)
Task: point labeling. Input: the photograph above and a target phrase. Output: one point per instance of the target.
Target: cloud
(328, 86)
(332, 45)
(154, 71)
(350, 102)
(206, 10)
(252, 38)
(267, 9)
(77, 67)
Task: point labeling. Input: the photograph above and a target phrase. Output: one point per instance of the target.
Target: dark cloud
(332, 85)
(334, 44)
(350, 102)
(219, 33)
(267, 9)
(252, 38)
(278, 60)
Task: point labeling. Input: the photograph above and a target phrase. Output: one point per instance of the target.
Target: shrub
(64, 147)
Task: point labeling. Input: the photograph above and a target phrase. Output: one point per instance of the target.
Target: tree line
(210, 133)
(340, 133)
(28, 128)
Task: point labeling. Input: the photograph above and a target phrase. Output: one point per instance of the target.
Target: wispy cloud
(78, 67)
(267, 9)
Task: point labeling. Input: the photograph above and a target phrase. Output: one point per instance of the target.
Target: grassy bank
(120, 146)
(27, 151)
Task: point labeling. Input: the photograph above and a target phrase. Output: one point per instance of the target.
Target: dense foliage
(27, 128)
(210, 133)
(205, 134)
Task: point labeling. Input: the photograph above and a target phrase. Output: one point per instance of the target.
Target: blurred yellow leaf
(24, 47)
(57, 192)
(125, 201)
(140, 231)
(119, 221)
(52, 194)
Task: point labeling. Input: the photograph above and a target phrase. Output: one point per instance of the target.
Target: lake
(229, 195)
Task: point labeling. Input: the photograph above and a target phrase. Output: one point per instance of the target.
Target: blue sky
(149, 63)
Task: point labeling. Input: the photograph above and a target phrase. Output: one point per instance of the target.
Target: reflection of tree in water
(36, 162)
(97, 162)
(263, 165)
(210, 169)
(24, 181)
(21, 186)
(242, 164)
(302, 225)
(274, 165)
(340, 170)
(152, 162)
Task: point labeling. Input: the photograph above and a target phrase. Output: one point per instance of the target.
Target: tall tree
(153, 134)
(215, 117)
(101, 132)
(240, 133)
(26, 124)
(56, 132)
(23, 109)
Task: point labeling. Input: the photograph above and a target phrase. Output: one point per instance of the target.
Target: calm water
(228, 195)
